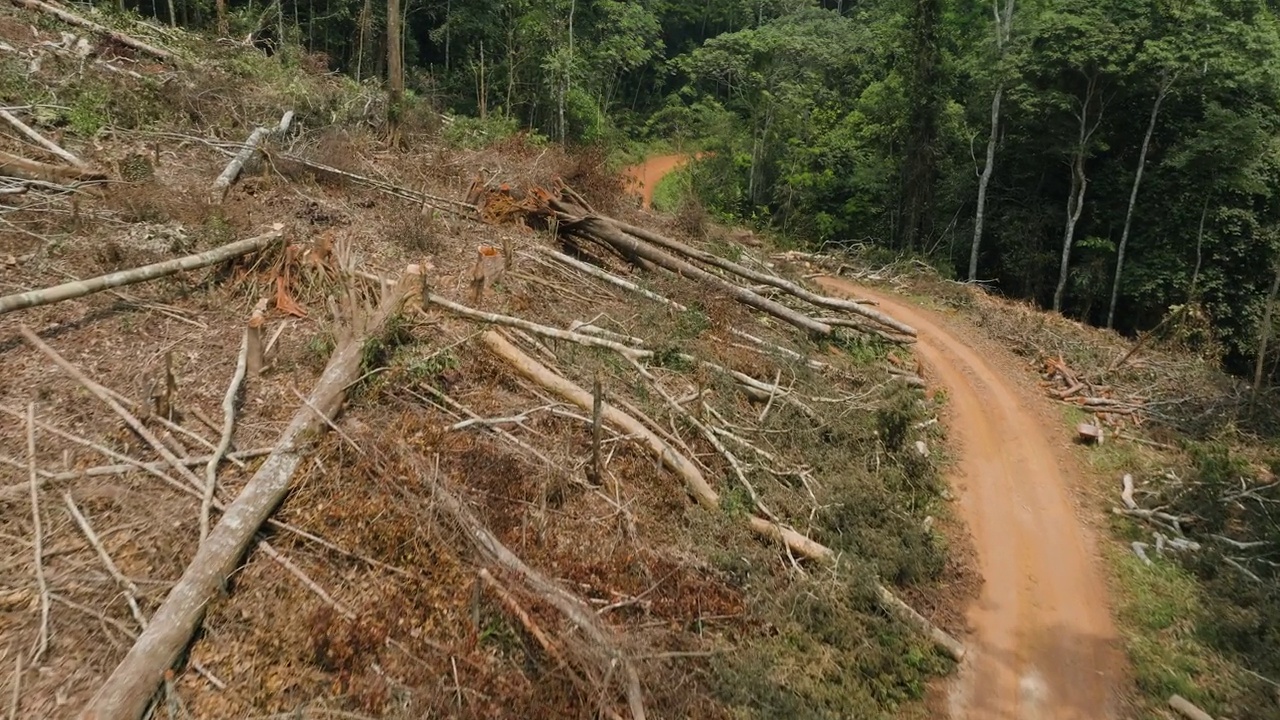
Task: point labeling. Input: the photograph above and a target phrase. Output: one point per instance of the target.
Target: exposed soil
(646, 176)
(1042, 643)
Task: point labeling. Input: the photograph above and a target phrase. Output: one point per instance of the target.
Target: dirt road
(1043, 644)
(647, 174)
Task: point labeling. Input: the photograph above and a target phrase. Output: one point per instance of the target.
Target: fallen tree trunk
(73, 19)
(41, 140)
(568, 604)
(544, 330)
(543, 376)
(808, 296)
(229, 174)
(127, 692)
(80, 288)
(604, 231)
(1184, 708)
(802, 545)
(24, 169)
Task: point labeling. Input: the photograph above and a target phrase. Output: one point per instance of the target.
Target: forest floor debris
(458, 540)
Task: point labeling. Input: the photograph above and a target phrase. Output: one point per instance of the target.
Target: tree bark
(80, 288)
(73, 19)
(1133, 199)
(1264, 334)
(126, 693)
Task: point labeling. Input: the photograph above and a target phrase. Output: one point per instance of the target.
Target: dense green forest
(1117, 160)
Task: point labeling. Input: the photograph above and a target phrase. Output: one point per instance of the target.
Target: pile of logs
(1062, 383)
(576, 221)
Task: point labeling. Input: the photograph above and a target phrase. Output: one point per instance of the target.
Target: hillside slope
(463, 539)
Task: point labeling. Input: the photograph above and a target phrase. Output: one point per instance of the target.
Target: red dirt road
(646, 175)
(1042, 642)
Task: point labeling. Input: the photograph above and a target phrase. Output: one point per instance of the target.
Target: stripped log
(232, 171)
(802, 545)
(127, 692)
(24, 169)
(41, 140)
(80, 288)
(1186, 709)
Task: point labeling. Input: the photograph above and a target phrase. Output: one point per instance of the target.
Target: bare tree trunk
(1264, 334)
(1133, 198)
(80, 288)
(1003, 21)
(126, 693)
(221, 6)
(1195, 274)
(983, 181)
(366, 13)
(395, 68)
(1079, 185)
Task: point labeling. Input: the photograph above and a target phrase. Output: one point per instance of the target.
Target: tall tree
(1003, 26)
(395, 69)
(925, 100)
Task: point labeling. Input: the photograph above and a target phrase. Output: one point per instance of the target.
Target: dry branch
(544, 330)
(543, 376)
(126, 692)
(569, 605)
(421, 198)
(224, 442)
(24, 169)
(12, 492)
(73, 19)
(41, 140)
(80, 288)
(42, 644)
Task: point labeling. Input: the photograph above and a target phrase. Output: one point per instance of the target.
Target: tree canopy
(1111, 159)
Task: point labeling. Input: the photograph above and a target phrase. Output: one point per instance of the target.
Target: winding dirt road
(1042, 642)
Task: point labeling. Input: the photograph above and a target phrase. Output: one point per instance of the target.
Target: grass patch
(673, 190)
(1158, 609)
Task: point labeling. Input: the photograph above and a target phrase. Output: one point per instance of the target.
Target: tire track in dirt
(1042, 643)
